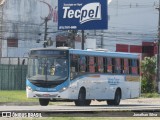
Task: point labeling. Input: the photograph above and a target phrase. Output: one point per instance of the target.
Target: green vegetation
(18, 96)
(150, 95)
(15, 96)
(148, 69)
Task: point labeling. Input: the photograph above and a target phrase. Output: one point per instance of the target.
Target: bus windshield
(48, 68)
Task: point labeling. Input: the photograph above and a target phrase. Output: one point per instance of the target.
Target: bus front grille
(46, 84)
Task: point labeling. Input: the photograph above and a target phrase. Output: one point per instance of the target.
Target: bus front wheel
(43, 102)
(81, 101)
(117, 98)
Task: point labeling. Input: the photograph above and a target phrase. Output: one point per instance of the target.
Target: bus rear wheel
(43, 102)
(88, 102)
(117, 98)
(81, 101)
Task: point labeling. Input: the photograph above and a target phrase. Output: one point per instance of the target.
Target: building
(132, 27)
(22, 25)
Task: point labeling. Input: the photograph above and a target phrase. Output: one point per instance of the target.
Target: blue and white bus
(82, 76)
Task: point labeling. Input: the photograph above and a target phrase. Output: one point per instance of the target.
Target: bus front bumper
(47, 95)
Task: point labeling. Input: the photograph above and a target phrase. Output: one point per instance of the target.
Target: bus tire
(81, 101)
(117, 98)
(88, 102)
(43, 102)
(110, 102)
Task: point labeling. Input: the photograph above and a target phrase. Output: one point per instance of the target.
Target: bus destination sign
(48, 53)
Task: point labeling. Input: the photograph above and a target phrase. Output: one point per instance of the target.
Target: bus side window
(134, 67)
(122, 66)
(91, 65)
(74, 65)
(130, 66)
(113, 65)
(126, 66)
(74, 62)
(99, 64)
(109, 65)
(87, 64)
(82, 63)
(105, 64)
(117, 65)
(96, 63)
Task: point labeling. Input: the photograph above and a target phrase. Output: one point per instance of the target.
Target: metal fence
(13, 73)
(13, 61)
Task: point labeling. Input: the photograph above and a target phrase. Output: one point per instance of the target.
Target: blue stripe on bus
(105, 54)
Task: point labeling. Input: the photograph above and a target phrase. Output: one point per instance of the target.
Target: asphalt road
(92, 108)
(125, 105)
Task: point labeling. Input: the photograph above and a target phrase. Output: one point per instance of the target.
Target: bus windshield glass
(48, 68)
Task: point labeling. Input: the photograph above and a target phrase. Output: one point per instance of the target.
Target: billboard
(82, 14)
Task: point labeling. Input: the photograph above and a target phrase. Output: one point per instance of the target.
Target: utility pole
(101, 38)
(82, 40)
(74, 33)
(72, 36)
(158, 52)
(45, 33)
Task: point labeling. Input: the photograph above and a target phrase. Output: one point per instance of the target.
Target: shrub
(148, 69)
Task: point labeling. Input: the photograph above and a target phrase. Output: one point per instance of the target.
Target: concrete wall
(22, 20)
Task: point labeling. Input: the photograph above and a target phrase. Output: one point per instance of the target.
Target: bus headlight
(29, 88)
(63, 89)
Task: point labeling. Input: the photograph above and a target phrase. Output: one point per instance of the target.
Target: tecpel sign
(89, 12)
(84, 14)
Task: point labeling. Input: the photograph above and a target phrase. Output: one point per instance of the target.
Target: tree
(148, 68)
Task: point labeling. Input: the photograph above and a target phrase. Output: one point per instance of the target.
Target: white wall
(130, 22)
(22, 19)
